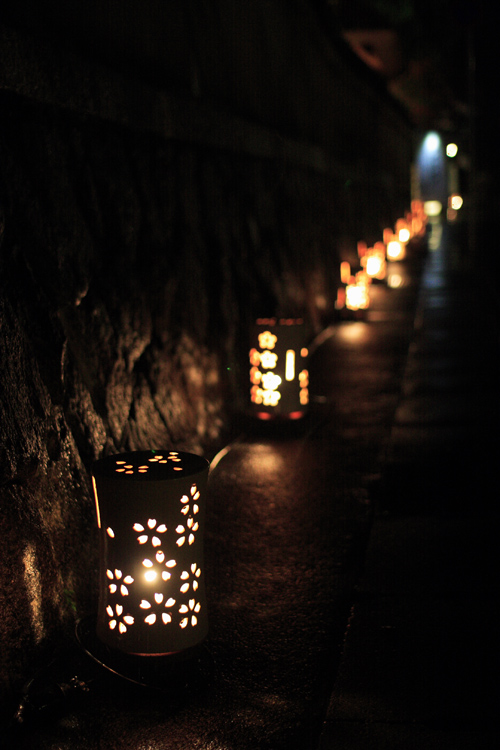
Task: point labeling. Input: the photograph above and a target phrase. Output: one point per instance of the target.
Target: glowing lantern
(455, 201)
(345, 272)
(279, 379)
(150, 513)
(357, 296)
(374, 263)
(433, 208)
(396, 250)
(403, 230)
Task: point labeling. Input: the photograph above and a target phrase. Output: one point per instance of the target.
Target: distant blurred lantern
(150, 512)
(374, 261)
(396, 250)
(345, 272)
(404, 235)
(402, 230)
(279, 379)
(455, 201)
(357, 296)
(433, 208)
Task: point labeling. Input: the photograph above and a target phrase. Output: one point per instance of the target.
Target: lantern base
(164, 672)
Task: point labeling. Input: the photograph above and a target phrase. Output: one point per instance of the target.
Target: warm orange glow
(362, 278)
(149, 589)
(396, 250)
(271, 381)
(374, 266)
(255, 375)
(404, 234)
(267, 340)
(417, 226)
(266, 321)
(362, 248)
(345, 272)
(264, 396)
(357, 297)
(304, 389)
(340, 301)
(98, 514)
(273, 371)
(254, 357)
(268, 360)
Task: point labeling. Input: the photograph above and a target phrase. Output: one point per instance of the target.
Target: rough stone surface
(131, 267)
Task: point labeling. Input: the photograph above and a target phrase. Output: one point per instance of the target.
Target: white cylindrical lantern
(279, 378)
(150, 512)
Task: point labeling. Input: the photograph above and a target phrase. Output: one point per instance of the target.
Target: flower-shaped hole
(118, 583)
(151, 532)
(267, 340)
(190, 579)
(194, 607)
(118, 618)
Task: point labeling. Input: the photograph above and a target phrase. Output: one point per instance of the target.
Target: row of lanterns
(150, 505)
(150, 509)
(354, 294)
(278, 373)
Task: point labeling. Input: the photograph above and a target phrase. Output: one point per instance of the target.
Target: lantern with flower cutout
(279, 378)
(150, 512)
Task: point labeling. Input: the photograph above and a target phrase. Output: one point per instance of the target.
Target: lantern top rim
(279, 321)
(150, 465)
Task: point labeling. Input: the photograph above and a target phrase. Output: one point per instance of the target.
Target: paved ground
(351, 556)
(420, 667)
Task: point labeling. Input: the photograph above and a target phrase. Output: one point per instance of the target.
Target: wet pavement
(420, 666)
(350, 555)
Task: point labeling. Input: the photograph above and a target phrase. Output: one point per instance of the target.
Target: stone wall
(142, 233)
